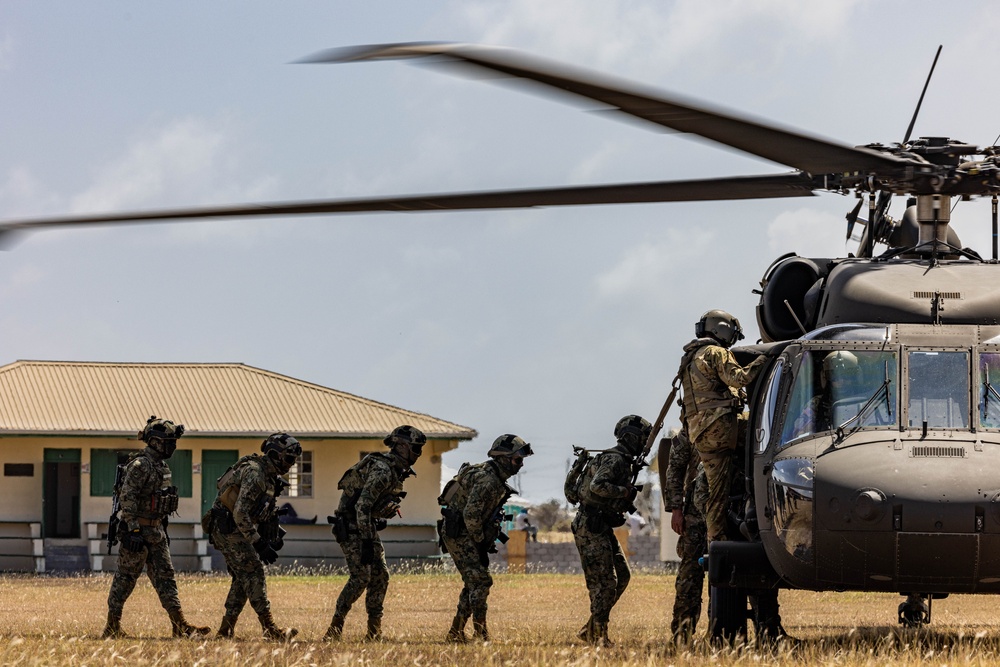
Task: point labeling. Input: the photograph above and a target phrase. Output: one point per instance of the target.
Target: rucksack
(575, 476)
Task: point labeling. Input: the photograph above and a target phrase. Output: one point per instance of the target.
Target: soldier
(606, 494)
(146, 498)
(472, 506)
(371, 491)
(243, 526)
(685, 491)
(713, 406)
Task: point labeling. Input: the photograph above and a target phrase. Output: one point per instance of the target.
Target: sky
(549, 323)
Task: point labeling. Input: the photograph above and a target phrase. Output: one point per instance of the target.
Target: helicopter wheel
(727, 614)
(916, 611)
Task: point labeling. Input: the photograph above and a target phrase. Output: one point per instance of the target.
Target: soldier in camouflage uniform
(472, 507)
(371, 491)
(685, 491)
(242, 525)
(146, 498)
(606, 495)
(713, 406)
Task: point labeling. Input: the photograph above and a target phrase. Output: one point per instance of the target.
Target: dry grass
(533, 618)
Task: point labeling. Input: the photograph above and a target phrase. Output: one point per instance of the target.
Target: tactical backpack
(574, 478)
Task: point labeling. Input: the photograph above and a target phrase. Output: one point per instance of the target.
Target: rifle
(639, 462)
(495, 521)
(116, 507)
(267, 515)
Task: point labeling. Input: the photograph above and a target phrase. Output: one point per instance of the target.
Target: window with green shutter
(103, 463)
(180, 471)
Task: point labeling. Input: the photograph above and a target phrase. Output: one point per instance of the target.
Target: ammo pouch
(599, 521)
(223, 520)
(164, 501)
(454, 523)
(342, 528)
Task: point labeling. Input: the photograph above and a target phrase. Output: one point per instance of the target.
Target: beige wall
(22, 496)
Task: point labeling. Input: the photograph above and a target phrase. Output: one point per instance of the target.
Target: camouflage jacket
(145, 475)
(370, 489)
(606, 480)
(249, 490)
(681, 470)
(482, 491)
(712, 382)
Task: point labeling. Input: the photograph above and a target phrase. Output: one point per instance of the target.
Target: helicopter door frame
(771, 407)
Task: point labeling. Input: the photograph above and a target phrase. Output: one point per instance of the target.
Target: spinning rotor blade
(788, 147)
(795, 184)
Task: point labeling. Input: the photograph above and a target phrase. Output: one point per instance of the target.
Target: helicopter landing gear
(915, 612)
(727, 614)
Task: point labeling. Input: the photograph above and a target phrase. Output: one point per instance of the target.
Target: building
(65, 426)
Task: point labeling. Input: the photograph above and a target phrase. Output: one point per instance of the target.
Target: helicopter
(890, 489)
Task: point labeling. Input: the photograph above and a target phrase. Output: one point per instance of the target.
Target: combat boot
(457, 633)
(587, 630)
(179, 627)
(113, 630)
(374, 633)
(599, 637)
(336, 629)
(479, 630)
(272, 631)
(228, 627)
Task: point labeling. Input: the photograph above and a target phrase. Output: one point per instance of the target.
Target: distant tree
(551, 515)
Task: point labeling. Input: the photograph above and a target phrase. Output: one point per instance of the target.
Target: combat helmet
(161, 435)
(721, 326)
(509, 451)
(282, 449)
(406, 441)
(840, 365)
(631, 432)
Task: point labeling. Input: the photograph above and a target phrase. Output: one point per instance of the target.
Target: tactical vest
(717, 393)
(589, 499)
(353, 481)
(152, 502)
(228, 485)
(456, 492)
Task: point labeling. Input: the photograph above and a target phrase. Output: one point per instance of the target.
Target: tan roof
(93, 398)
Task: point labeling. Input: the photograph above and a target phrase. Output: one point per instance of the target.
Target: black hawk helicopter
(875, 427)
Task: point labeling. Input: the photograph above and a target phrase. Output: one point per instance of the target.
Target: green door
(213, 464)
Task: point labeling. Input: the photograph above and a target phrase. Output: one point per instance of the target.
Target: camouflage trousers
(716, 446)
(476, 578)
(688, 588)
(373, 578)
(156, 559)
(605, 568)
(247, 572)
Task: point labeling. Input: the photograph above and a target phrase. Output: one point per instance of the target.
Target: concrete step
(66, 558)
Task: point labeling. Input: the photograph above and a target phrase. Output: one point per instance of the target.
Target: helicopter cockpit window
(834, 387)
(763, 433)
(989, 389)
(939, 389)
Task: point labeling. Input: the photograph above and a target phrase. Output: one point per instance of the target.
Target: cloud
(644, 268)
(22, 193)
(808, 232)
(188, 159)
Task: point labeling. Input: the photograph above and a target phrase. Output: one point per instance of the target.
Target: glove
(264, 550)
(367, 552)
(132, 540)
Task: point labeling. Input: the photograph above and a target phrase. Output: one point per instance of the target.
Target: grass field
(533, 619)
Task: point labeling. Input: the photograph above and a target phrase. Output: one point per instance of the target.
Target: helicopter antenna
(916, 111)
(877, 212)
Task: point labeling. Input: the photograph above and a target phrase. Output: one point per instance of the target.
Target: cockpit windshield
(939, 389)
(841, 388)
(989, 389)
